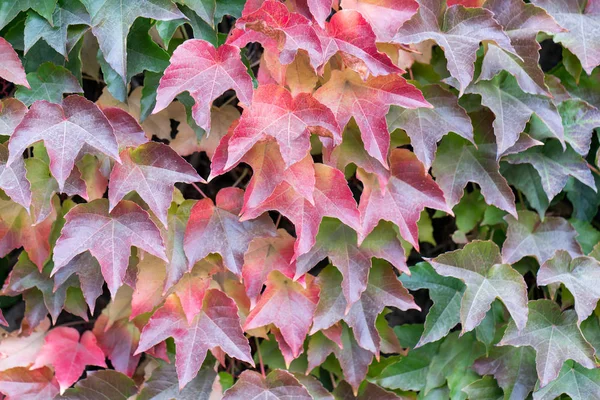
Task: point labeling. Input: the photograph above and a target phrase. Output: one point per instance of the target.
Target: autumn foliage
(299, 199)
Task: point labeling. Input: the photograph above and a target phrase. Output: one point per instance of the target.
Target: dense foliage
(305, 199)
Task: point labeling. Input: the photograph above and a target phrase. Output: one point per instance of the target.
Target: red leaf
(11, 68)
(65, 131)
(279, 384)
(12, 112)
(118, 341)
(24, 384)
(127, 130)
(197, 67)
(69, 355)
(13, 179)
(109, 236)
(217, 324)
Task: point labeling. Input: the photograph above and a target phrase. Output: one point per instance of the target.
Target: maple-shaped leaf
(288, 306)
(581, 21)
(12, 112)
(149, 284)
(13, 180)
(347, 95)
(369, 391)
(279, 31)
(217, 324)
(69, 354)
(426, 126)
(109, 237)
(126, 129)
(512, 367)
(50, 82)
(577, 382)
(151, 170)
(275, 115)
(527, 235)
(513, 108)
(385, 17)
(65, 130)
(217, 229)
(521, 23)
(338, 242)
(555, 165)
(409, 190)
(118, 341)
(163, 383)
(479, 265)
(265, 255)
(112, 19)
(383, 290)
(19, 349)
(446, 294)
(214, 72)
(99, 385)
(279, 384)
(459, 162)
(25, 384)
(10, 10)
(11, 69)
(578, 275)
(458, 31)
(555, 337)
(332, 198)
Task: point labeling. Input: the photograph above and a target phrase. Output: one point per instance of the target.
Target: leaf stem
(242, 176)
(199, 190)
(260, 360)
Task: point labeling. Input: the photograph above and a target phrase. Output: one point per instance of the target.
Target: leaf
(383, 290)
(151, 170)
(217, 324)
(126, 129)
(579, 120)
(512, 367)
(480, 267)
(446, 294)
(368, 391)
(347, 95)
(89, 273)
(427, 126)
(12, 69)
(12, 112)
(50, 82)
(109, 237)
(9, 11)
(118, 341)
(458, 31)
(78, 119)
(581, 25)
(513, 109)
(288, 306)
(23, 384)
(484, 388)
(528, 236)
(217, 229)
(13, 179)
(279, 384)
(112, 19)
(275, 115)
(578, 275)
(100, 385)
(575, 381)
(19, 349)
(69, 355)
(521, 23)
(163, 384)
(69, 22)
(314, 386)
(555, 337)
(384, 17)
(409, 190)
(215, 71)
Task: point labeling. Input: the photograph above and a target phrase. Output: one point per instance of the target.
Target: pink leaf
(11, 69)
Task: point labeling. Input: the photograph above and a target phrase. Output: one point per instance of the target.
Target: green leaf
(410, 372)
(50, 82)
(484, 389)
(100, 385)
(10, 9)
(574, 380)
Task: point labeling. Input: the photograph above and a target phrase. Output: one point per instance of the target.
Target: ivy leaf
(578, 275)
(13, 179)
(579, 120)
(366, 392)
(23, 383)
(555, 337)
(458, 31)
(151, 170)
(127, 130)
(575, 381)
(217, 229)
(12, 112)
(446, 294)
(347, 95)
(69, 354)
(332, 198)
(426, 126)
(118, 341)
(581, 23)
(89, 273)
(50, 82)
(528, 236)
(275, 115)
(112, 19)
(11, 69)
(19, 349)
(279, 384)
(65, 130)
(479, 265)
(8, 11)
(409, 190)
(163, 384)
(109, 237)
(383, 290)
(100, 385)
(215, 71)
(217, 324)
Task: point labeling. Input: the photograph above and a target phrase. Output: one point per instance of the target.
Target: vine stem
(260, 359)
(241, 177)
(199, 190)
